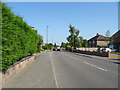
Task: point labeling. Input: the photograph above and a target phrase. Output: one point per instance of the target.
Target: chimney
(97, 34)
(33, 28)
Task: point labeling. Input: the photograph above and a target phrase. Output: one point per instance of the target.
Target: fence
(87, 49)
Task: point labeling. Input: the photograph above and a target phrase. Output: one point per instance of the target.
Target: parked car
(99, 49)
(106, 50)
(58, 48)
(113, 50)
(63, 49)
(54, 49)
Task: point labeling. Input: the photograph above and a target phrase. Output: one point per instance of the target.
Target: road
(61, 69)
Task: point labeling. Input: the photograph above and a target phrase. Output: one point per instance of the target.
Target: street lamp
(47, 37)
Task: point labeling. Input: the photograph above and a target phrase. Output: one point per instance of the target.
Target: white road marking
(87, 63)
(95, 66)
(56, 82)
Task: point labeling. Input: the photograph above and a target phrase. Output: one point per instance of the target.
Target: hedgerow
(18, 38)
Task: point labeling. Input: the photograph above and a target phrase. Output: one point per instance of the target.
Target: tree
(85, 43)
(107, 34)
(81, 41)
(40, 41)
(73, 38)
(18, 38)
(55, 46)
(50, 46)
(68, 47)
(63, 45)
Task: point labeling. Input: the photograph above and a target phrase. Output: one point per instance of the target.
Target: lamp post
(47, 37)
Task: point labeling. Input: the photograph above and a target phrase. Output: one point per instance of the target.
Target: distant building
(115, 40)
(43, 44)
(98, 41)
(33, 28)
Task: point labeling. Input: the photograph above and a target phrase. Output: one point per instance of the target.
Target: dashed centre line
(56, 82)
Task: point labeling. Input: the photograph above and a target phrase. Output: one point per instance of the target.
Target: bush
(41, 49)
(18, 38)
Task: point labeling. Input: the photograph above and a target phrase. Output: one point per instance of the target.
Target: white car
(106, 50)
(113, 50)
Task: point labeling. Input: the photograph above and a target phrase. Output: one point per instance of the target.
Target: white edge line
(95, 66)
(88, 63)
(56, 82)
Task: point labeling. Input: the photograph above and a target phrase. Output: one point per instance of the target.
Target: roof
(99, 37)
(116, 34)
(116, 37)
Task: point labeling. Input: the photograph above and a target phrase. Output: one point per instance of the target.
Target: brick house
(43, 44)
(98, 41)
(115, 40)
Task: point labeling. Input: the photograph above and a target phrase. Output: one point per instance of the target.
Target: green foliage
(55, 46)
(118, 53)
(73, 38)
(48, 46)
(63, 45)
(40, 41)
(41, 49)
(75, 41)
(18, 38)
(85, 43)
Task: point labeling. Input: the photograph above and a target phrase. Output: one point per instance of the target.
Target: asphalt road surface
(61, 69)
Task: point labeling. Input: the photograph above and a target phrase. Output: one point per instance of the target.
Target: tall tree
(73, 38)
(63, 45)
(85, 43)
(40, 41)
(81, 41)
(107, 34)
(55, 46)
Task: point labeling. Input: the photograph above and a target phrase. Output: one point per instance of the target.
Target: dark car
(58, 49)
(54, 49)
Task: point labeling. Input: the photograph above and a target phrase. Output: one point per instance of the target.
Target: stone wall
(100, 53)
(17, 67)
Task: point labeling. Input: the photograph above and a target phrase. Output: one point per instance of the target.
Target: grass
(118, 53)
(114, 56)
(41, 49)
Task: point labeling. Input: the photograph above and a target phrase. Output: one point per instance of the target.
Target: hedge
(18, 38)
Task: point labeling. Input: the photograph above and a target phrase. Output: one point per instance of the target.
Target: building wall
(92, 43)
(98, 43)
(102, 43)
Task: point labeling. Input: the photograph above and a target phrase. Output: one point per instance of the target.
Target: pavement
(60, 69)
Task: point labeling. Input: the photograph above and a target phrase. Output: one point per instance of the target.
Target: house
(33, 28)
(115, 40)
(98, 41)
(43, 44)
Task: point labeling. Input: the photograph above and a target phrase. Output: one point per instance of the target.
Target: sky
(88, 17)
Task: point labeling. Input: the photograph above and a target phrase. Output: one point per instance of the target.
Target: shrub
(18, 38)
(41, 49)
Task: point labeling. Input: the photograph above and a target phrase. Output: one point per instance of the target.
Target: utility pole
(47, 37)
